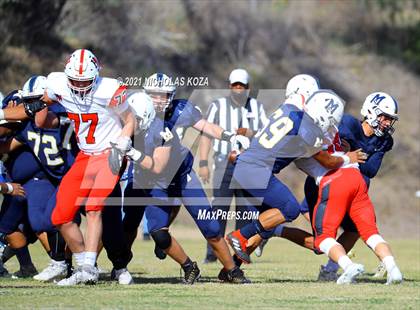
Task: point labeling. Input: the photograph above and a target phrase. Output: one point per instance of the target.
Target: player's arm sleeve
(189, 117)
(119, 100)
(50, 93)
(371, 167)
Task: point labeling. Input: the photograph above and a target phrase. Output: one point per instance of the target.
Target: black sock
(57, 245)
(187, 264)
(8, 254)
(236, 260)
(23, 256)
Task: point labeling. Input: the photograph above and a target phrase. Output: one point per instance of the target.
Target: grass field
(283, 278)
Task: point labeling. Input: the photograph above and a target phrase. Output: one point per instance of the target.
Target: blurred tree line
(189, 37)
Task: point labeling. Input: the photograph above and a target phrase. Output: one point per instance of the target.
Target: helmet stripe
(82, 56)
(396, 105)
(32, 83)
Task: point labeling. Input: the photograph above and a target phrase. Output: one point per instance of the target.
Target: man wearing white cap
(236, 113)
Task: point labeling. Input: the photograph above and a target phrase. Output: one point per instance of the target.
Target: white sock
(90, 258)
(389, 263)
(331, 266)
(344, 261)
(79, 258)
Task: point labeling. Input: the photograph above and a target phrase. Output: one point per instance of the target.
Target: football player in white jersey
(96, 106)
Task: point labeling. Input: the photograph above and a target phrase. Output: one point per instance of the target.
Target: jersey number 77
(91, 118)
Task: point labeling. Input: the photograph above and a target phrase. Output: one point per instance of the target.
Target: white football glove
(239, 143)
(134, 154)
(123, 144)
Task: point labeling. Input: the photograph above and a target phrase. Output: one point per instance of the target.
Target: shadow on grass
(170, 280)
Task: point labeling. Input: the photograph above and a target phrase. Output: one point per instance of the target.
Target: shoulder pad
(110, 91)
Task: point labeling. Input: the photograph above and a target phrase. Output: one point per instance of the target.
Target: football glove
(240, 143)
(31, 108)
(119, 149)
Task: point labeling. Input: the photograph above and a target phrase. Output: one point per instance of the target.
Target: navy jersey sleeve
(346, 129)
(12, 96)
(371, 167)
(189, 115)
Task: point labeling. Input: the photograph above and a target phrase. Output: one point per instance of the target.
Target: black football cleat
(236, 276)
(192, 274)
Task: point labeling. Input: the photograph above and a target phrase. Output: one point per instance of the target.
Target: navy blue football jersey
(289, 134)
(180, 114)
(375, 147)
(49, 145)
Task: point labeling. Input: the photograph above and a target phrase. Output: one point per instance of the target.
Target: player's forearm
(371, 167)
(209, 129)
(13, 114)
(129, 124)
(41, 118)
(155, 166)
(204, 147)
(156, 163)
(328, 161)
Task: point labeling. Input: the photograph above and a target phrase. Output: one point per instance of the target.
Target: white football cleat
(76, 278)
(90, 274)
(380, 271)
(350, 274)
(395, 276)
(86, 274)
(55, 270)
(123, 276)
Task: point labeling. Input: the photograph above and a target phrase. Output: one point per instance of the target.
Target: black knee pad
(162, 238)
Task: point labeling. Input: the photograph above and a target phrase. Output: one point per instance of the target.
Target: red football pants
(89, 181)
(343, 191)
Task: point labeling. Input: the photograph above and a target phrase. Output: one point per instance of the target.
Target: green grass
(283, 278)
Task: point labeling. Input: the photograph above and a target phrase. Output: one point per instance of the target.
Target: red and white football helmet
(82, 71)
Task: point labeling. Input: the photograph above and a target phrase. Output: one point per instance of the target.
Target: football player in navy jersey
(55, 156)
(290, 134)
(171, 176)
(21, 165)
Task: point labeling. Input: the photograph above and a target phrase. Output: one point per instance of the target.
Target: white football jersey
(314, 169)
(96, 116)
